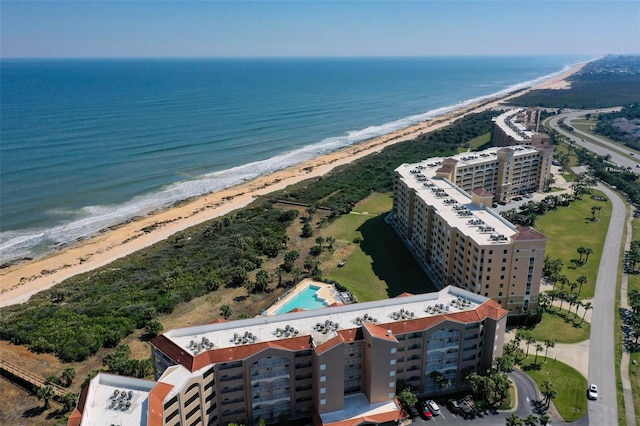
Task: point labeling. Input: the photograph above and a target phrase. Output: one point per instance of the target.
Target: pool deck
(327, 292)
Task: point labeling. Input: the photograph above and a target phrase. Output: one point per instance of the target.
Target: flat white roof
(518, 131)
(482, 224)
(322, 323)
(117, 400)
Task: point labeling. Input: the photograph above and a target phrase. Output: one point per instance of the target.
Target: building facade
(456, 235)
(339, 365)
(518, 127)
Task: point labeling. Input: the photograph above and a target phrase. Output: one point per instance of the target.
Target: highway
(602, 370)
(620, 155)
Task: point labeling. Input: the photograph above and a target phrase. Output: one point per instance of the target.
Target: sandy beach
(20, 281)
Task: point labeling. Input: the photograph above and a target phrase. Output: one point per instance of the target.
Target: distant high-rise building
(339, 365)
(518, 127)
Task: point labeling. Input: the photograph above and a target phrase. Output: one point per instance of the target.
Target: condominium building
(340, 365)
(518, 127)
(442, 209)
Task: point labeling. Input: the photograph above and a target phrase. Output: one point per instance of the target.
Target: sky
(156, 28)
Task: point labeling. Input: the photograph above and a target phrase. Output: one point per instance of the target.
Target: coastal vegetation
(608, 82)
(98, 309)
(621, 126)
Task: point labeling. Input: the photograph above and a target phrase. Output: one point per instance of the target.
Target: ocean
(88, 144)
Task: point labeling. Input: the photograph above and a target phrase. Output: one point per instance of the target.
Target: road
(602, 370)
(620, 155)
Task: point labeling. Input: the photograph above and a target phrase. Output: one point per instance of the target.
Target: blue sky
(313, 28)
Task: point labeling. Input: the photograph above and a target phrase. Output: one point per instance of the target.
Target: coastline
(21, 280)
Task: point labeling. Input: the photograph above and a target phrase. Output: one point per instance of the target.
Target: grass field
(477, 143)
(569, 228)
(555, 326)
(571, 387)
(380, 266)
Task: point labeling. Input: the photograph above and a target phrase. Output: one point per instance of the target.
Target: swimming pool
(306, 299)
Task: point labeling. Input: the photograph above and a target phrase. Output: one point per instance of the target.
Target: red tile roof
(329, 344)
(156, 403)
(526, 233)
(173, 351)
(379, 332)
(76, 416)
(481, 192)
(390, 416)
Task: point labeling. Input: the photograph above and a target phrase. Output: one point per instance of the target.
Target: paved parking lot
(448, 418)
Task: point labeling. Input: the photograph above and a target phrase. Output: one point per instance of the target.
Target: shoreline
(22, 279)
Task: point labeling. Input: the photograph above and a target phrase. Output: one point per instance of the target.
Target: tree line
(607, 125)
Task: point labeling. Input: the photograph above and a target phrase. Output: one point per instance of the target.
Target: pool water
(306, 299)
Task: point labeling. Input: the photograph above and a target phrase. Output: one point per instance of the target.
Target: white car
(592, 392)
(433, 407)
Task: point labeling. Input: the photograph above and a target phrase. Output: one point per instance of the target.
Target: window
(323, 402)
(500, 294)
(392, 373)
(393, 350)
(323, 378)
(392, 384)
(323, 390)
(323, 367)
(392, 362)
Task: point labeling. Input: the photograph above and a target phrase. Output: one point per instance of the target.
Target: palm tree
(544, 419)
(548, 392)
(45, 393)
(572, 299)
(587, 252)
(572, 286)
(563, 280)
(582, 280)
(531, 420)
(562, 295)
(539, 348)
(586, 307)
(514, 420)
(440, 380)
(549, 344)
(581, 252)
(70, 399)
(529, 340)
(68, 375)
(280, 272)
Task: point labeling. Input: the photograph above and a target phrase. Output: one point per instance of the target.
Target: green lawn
(569, 228)
(571, 387)
(554, 326)
(380, 266)
(477, 143)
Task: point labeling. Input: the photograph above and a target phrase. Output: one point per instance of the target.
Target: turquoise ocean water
(87, 144)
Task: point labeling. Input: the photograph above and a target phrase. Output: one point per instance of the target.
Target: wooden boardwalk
(31, 378)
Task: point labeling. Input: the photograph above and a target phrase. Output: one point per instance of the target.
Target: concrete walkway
(624, 362)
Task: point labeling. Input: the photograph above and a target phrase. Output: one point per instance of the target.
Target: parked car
(592, 392)
(453, 405)
(425, 410)
(466, 410)
(435, 410)
(413, 413)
